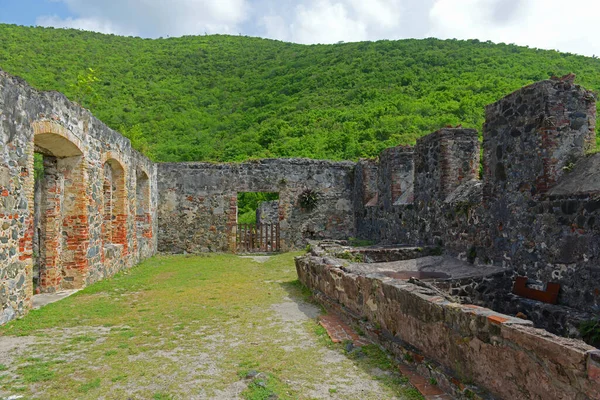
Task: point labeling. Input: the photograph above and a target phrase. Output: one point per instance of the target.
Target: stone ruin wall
(267, 212)
(534, 211)
(457, 345)
(75, 248)
(198, 202)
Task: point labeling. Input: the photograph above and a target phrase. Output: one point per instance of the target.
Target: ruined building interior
(487, 252)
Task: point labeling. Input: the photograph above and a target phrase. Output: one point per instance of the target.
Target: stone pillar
(232, 223)
(395, 182)
(365, 182)
(75, 224)
(443, 161)
(52, 185)
(533, 136)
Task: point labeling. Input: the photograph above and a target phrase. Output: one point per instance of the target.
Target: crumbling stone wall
(457, 344)
(198, 201)
(527, 213)
(76, 147)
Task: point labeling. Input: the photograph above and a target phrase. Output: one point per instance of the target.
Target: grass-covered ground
(177, 327)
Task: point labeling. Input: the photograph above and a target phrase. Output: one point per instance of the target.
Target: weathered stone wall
(76, 146)
(443, 161)
(198, 201)
(535, 210)
(503, 355)
(267, 212)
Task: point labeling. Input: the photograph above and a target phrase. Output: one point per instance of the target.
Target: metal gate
(253, 238)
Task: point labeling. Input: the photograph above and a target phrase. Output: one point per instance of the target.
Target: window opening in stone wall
(60, 221)
(114, 225)
(143, 217)
(257, 222)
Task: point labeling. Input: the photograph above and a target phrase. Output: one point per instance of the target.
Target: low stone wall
(501, 355)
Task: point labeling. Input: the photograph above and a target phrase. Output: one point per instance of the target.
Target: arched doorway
(114, 227)
(61, 225)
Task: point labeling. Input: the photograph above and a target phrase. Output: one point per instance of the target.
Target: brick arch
(53, 136)
(115, 210)
(61, 229)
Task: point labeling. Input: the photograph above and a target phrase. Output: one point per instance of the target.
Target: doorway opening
(257, 222)
(61, 226)
(143, 217)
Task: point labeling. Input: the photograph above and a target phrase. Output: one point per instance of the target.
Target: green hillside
(231, 98)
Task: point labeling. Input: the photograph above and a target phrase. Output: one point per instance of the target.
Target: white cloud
(153, 18)
(330, 21)
(326, 22)
(552, 24)
(87, 24)
(548, 24)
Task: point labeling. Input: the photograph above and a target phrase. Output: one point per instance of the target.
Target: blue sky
(548, 24)
(25, 12)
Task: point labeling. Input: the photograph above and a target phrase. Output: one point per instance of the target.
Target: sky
(568, 26)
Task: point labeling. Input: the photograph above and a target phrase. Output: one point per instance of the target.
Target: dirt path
(218, 327)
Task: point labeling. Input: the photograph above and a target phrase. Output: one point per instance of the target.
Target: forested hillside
(230, 98)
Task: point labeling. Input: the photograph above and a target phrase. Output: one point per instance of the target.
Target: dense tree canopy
(231, 98)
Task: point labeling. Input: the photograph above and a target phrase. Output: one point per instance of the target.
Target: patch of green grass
(127, 334)
(246, 367)
(296, 288)
(38, 372)
(267, 386)
(240, 330)
(86, 387)
(378, 358)
(162, 396)
(83, 339)
(118, 378)
(354, 242)
(3, 367)
(590, 332)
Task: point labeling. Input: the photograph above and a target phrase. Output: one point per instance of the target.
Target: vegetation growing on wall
(230, 98)
(248, 203)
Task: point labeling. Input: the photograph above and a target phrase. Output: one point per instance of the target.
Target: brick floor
(428, 390)
(339, 332)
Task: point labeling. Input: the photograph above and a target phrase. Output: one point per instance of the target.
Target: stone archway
(61, 224)
(115, 210)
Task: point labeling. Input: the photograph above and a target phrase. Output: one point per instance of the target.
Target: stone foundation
(460, 345)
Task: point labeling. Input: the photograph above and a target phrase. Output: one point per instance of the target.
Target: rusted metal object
(550, 295)
(257, 238)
